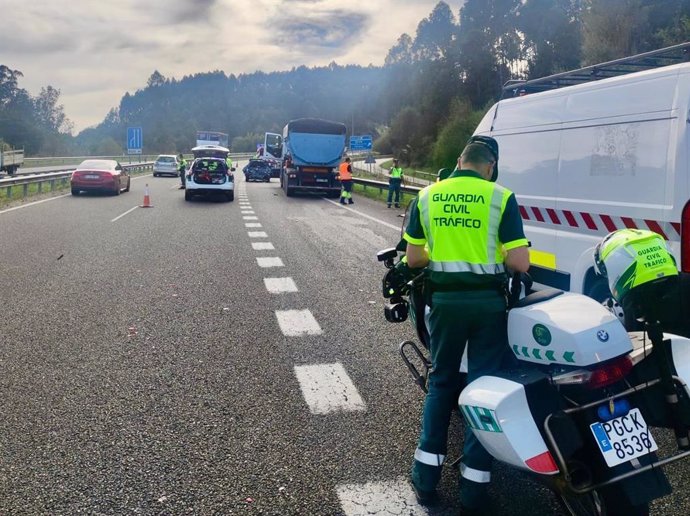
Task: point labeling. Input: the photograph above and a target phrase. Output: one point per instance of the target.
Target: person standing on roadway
(228, 162)
(182, 168)
(345, 176)
(473, 230)
(394, 183)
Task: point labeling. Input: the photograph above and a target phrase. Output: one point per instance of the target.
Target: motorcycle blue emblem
(603, 335)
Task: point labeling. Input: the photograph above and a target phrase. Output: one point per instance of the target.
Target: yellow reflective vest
(461, 218)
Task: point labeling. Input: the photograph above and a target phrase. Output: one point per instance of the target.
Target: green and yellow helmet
(629, 258)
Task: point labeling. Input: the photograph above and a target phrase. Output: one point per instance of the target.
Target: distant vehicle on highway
(257, 170)
(166, 164)
(211, 138)
(100, 175)
(11, 160)
(209, 173)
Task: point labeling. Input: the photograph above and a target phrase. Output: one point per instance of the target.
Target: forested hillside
(426, 99)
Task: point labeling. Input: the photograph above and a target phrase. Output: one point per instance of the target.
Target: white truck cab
(594, 156)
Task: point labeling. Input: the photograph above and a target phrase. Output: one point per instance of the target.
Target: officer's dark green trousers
(477, 318)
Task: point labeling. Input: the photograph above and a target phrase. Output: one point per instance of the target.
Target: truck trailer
(311, 151)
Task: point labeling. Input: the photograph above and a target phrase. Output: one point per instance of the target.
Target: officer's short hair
(477, 153)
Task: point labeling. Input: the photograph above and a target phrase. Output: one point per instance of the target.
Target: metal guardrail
(381, 185)
(59, 177)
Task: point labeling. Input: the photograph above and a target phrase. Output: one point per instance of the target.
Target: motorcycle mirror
(386, 254)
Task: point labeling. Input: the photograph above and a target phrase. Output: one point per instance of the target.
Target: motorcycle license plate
(623, 438)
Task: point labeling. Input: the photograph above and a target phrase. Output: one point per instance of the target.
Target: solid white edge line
(364, 215)
(125, 213)
(34, 203)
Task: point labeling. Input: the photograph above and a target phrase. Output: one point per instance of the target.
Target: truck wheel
(289, 192)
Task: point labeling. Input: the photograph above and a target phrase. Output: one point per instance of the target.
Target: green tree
(552, 35)
(613, 29)
(435, 34)
(455, 132)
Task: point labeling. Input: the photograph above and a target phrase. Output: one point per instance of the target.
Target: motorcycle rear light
(610, 373)
(604, 375)
(542, 463)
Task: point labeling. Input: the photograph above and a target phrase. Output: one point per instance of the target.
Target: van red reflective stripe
(553, 216)
(608, 222)
(654, 226)
(537, 214)
(589, 221)
(629, 223)
(599, 222)
(569, 217)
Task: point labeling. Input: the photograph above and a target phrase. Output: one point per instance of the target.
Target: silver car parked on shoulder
(166, 164)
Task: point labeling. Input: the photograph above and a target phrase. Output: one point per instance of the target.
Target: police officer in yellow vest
(466, 230)
(394, 183)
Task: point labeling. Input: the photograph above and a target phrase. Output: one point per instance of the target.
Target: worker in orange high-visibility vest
(345, 176)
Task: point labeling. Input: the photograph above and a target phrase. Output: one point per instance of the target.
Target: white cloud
(94, 51)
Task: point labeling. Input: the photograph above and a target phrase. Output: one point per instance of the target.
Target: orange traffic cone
(147, 198)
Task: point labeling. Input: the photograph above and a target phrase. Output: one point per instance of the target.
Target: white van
(588, 159)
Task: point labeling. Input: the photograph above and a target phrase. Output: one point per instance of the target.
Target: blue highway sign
(135, 140)
(361, 142)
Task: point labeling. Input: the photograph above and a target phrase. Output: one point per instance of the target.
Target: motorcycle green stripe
(482, 418)
(550, 355)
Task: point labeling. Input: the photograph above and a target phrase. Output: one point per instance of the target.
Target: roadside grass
(422, 173)
(380, 194)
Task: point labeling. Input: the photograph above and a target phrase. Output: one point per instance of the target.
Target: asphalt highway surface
(214, 357)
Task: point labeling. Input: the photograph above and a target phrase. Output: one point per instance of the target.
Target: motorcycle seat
(538, 297)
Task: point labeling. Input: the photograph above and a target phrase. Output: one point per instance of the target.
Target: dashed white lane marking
(250, 217)
(247, 212)
(280, 285)
(297, 323)
(125, 213)
(252, 225)
(262, 246)
(266, 262)
(327, 388)
(397, 228)
(257, 234)
(390, 498)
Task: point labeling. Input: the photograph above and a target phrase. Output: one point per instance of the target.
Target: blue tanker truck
(311, 150)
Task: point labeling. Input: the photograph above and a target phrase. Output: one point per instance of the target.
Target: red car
(100, 175)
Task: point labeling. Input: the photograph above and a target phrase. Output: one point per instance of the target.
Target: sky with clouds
(94, 51)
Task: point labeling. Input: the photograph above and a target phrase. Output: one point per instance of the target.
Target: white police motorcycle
(576, 410)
